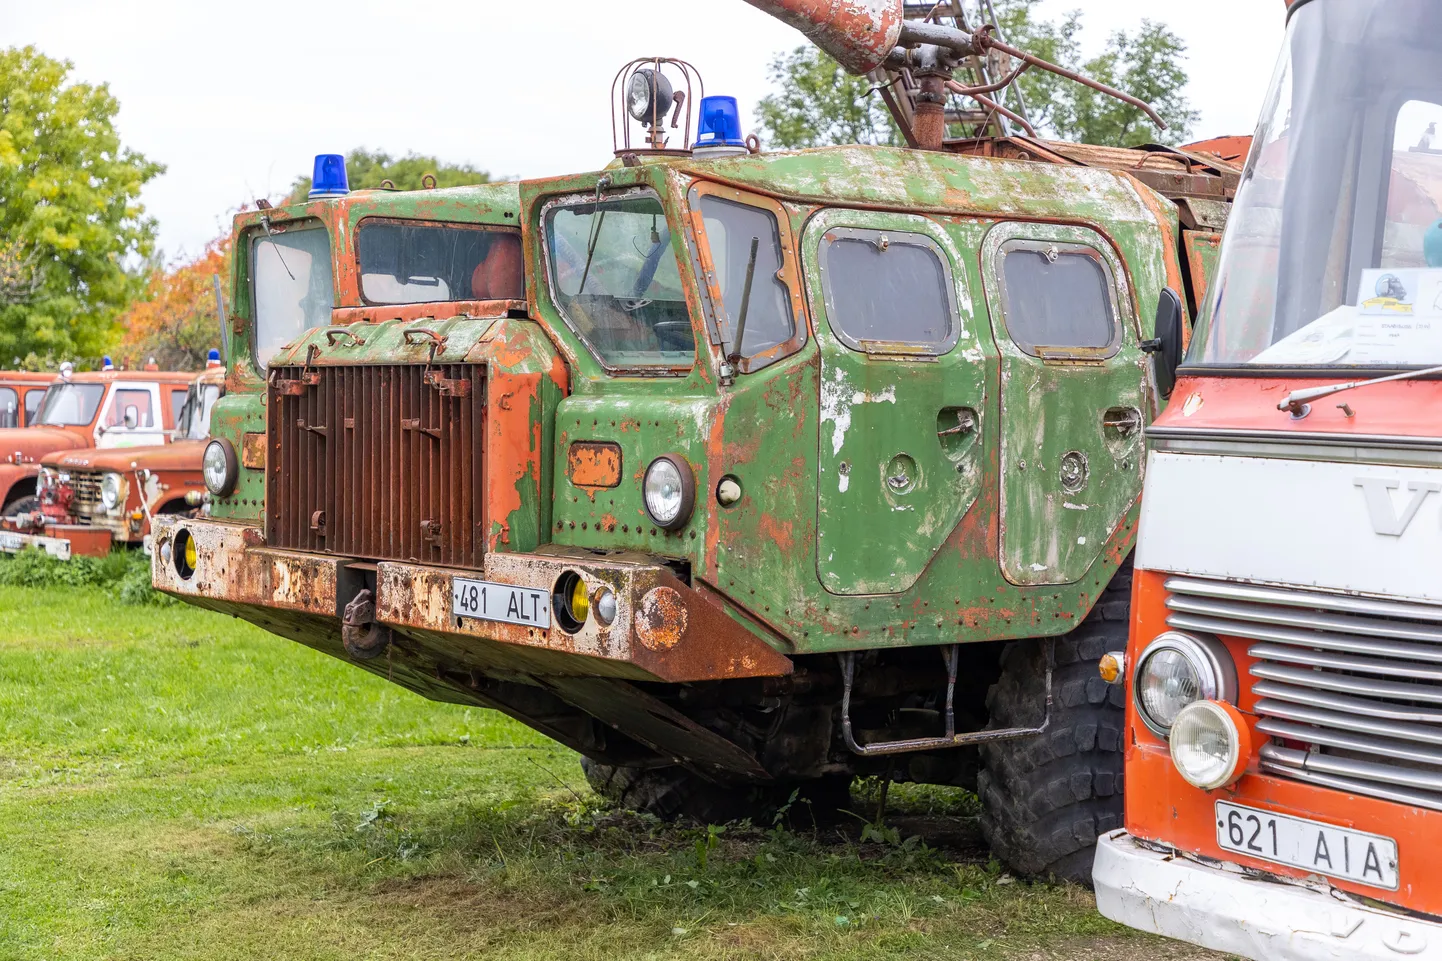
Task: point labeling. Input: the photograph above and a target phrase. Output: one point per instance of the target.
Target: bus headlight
(219, 467)
(1176, 670)
(112, 491)
(1211, 744)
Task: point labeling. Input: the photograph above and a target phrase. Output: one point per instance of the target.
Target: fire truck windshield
(615, 279)
(1333, 254)
(70, 405)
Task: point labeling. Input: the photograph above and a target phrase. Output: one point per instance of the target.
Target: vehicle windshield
(70, 405)
(615, 279)
(419, 263)
(1333, 253)
(194, 419)
(292, 287)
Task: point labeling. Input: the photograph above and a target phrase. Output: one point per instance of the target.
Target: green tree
(817, 104)
(366, 169)
(70, 217)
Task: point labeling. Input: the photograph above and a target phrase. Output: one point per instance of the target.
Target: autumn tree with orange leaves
(176, 321)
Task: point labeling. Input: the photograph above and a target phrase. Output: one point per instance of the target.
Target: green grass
(177, 784)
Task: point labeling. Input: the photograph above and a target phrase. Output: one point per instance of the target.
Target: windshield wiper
(734, 357)
(1298, 401)
(591, 250)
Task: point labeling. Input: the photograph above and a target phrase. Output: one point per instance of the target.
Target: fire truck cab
(1284, 670)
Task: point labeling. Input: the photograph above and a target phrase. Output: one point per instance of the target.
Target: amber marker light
(1112, 666)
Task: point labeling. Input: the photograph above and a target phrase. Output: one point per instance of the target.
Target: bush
(127, 572)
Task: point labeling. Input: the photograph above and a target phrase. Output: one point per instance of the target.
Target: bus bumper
(1224, 909)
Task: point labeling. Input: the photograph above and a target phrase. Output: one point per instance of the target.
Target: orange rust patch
(661, 621)
(252, 451)
(779, 532)
(594, 464)
(608, 523)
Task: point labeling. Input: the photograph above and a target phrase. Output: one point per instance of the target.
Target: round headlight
(1178, 669)
(670, 491)
(184, 555)
(647, 95)
(1210, 744)
(570, 602)
(604, 606)
(111, 491)
(46, 481)
(219, 468)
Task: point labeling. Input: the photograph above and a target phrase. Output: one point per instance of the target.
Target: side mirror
(132, 417)
(1166, 346)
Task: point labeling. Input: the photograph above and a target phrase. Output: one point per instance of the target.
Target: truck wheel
(25, 505)
(1045, 799)
(674, 793)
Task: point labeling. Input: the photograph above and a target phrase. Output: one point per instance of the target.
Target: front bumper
(1242, 914)
(664, 629)
(62, 541)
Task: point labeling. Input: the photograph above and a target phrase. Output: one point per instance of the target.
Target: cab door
(131, 416)
(902, 395)
(1072, 390)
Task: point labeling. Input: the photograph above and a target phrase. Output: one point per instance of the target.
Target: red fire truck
(1284, 672)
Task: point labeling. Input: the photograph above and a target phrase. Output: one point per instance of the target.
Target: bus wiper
(734, 357)
(1298, 401)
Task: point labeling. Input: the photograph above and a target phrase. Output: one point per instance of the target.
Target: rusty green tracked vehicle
(784, 468)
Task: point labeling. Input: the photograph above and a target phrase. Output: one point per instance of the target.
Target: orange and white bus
(1284, 672)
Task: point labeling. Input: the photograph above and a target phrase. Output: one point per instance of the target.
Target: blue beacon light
(720, 124)
(329, 179)
(212, 359)
(106, 363)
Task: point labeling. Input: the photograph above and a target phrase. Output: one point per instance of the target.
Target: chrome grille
(1349, 688)
(377, 462)
(85, 504)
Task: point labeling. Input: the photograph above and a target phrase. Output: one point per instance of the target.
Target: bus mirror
(1166, 346)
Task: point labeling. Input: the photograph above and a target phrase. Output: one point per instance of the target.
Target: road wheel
(1045, 799)
(25, 505)
(674, 793)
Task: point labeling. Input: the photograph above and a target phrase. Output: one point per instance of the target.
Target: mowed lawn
(178, 784)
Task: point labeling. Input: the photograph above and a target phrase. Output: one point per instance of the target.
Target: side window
(888, 290)
(9, 408)
(33, 397)
(730, 229)
(1059, 298)
(126, 398)
(177, 406)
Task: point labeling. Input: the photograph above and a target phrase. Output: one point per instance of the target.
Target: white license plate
(506, 603)
(1310, 845)
(10, 541)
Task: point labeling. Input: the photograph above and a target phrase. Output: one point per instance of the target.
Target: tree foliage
(816, 103)
(367, 169)
(176, 321)
(70, 217)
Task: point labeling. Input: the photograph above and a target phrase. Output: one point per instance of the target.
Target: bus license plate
(506, 603)
(1310, 845)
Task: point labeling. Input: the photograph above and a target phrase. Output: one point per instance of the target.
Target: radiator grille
(1349, 689)
(85, 504)
(377, 462)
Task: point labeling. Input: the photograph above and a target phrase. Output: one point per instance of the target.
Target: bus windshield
(1333, 254)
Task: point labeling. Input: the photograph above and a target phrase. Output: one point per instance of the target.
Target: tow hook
(362, 637)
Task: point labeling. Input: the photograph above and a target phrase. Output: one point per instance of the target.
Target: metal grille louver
(1350, 689)
(85, 505)
(377, 462)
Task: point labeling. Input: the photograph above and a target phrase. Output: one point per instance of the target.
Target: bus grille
(377, 462)
(1350, 689)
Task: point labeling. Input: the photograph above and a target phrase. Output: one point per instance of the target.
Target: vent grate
(377, 462)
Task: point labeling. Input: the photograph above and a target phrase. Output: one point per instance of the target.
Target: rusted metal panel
(233, 567)
(252, 450)
(591, 464)
(1203, 249)
(858, 34)
(378, 462)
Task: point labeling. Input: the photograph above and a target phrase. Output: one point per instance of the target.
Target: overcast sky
(236, 98)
